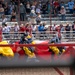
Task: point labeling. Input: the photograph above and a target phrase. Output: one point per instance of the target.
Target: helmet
(28, 37)
(25, 34)
(52, 41)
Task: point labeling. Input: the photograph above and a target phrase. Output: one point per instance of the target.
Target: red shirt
(22, 29)
(56, 4)
(58, 28)
(28, 30)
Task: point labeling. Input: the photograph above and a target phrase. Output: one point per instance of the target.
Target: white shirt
(63, 11)
(53, 28)
(4, 20)
(33, 7)
(6, 29)
(16, 28)
(34, 28)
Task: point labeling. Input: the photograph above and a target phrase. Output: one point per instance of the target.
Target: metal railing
(43, 35)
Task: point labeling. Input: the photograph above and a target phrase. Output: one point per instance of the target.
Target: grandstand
(49, 19)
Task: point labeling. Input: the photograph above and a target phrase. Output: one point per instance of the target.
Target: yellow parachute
(6, 51)
(54, 49)
(28, 52)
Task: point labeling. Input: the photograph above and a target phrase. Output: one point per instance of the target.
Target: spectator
(33, 16)
(44, 8)
(28, 28)
(10, 9)
(42, 30)
(16, 30)
(28, 8)
(4, 19)
(57, 28)
(57, 31)
(74, 10)
(67, 28)
(44, 24)
(71, 5)
(35, 2)
(61, 32)
(6, 30)
(3, 3)
(16, 6)
(41, 27)
(22, 1)
(16, 27)
(38, 10)
(63, 12)
(16, 2)
(34, 29)
(53, 28)
(6, 9)
(62, 4)
(22, 12)
(62, 28)
(33, 6)
(56, 7)
(13, 16)
(73, 28)
(1, 9)
(38, 18)
(22, 28)
(48, 7)
(12, 4)
(39, 4)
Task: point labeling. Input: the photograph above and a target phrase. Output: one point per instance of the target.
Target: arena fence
(71, 47)
(21, 62)
(66, 36)
(55, 60)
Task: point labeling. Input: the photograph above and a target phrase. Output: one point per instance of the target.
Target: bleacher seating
(48, 18)
(9, 23)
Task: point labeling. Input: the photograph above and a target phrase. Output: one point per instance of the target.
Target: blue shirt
(62, 5)
(71, 4)
(41, 28)
(33, 15)
(62, 29)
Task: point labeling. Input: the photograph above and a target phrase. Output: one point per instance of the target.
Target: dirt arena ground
(35, 71)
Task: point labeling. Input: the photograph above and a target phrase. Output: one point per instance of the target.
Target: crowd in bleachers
(31, 12)
(27, 7)
(7, 11)
(40, 30)
(40, 7)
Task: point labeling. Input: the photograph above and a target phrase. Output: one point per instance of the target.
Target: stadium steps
(48, 15)
(58, 22)
(57, 18)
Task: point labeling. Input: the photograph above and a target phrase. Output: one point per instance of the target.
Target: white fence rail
(46, 35)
